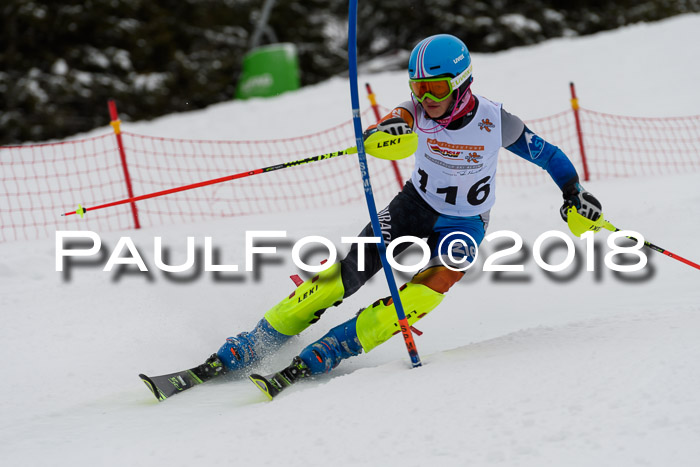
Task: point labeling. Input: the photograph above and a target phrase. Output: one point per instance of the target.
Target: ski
(165, 386)
(272, 385)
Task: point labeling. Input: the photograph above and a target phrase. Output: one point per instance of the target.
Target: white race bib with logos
(455, 169)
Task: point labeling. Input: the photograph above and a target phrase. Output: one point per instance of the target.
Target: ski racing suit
(450, 194)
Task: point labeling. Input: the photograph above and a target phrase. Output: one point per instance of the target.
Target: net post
(575, 108)
(116, 125)
(373, 101)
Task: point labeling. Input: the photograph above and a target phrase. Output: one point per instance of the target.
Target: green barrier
(268, 71)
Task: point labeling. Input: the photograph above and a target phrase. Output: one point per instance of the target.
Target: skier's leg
(375, 324)
(303, 307)
(343, 341)
(372, 326)
(407, 214)
(289, 317)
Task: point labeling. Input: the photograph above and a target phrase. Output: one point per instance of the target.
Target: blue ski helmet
(440, 55)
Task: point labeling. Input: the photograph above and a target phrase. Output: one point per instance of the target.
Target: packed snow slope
(520, 369)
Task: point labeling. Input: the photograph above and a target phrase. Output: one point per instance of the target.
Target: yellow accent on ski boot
(308, 302)
(377, 323)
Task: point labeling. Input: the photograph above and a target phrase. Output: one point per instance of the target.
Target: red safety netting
(39, 182)
(160, 163)
(631, 146)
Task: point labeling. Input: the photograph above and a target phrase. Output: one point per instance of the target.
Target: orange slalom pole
(575, 108)
(122, 154)
(377, 115)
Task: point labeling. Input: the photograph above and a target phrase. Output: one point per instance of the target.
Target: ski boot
(320, 357)
(247, 348)
(339, 343)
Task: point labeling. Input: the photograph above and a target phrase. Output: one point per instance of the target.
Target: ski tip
(264, 385)
(154, 389)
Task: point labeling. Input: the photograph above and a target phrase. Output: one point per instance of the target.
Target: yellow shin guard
(308, 302)
(377, 323)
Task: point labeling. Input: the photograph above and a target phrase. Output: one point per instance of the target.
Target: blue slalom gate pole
(369, 195)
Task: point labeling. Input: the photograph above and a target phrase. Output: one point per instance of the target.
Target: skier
(450, 193)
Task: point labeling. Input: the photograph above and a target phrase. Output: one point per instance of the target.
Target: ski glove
(585, 203)
(394, 126)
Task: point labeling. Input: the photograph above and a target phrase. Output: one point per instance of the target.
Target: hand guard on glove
(585, 203)
(394, 126)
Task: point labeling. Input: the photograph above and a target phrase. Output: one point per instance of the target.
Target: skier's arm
(397, 122)
(523, 142)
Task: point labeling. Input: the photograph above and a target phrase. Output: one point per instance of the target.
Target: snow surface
(519, 369)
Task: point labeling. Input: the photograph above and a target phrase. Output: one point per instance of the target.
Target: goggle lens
(437, 90)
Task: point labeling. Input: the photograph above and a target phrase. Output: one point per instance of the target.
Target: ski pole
(369, 196)
(607, 225)
(383, 145)
(579, 224)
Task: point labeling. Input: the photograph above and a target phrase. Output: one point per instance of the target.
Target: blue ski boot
(247, 348)
(339, 343)
(322, 356)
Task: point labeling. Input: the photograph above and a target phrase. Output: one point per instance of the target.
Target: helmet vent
(434, 67)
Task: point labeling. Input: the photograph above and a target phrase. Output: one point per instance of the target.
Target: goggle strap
(458, 80)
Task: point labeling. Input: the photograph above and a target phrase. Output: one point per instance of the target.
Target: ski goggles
(438, 89)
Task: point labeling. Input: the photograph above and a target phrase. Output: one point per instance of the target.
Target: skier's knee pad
(307, 303)
(438, 278)
(378, 322)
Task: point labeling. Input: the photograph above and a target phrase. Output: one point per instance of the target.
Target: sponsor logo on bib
(485, 124)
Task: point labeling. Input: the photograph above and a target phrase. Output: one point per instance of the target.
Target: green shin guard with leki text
(378, 322)
(308, 302)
